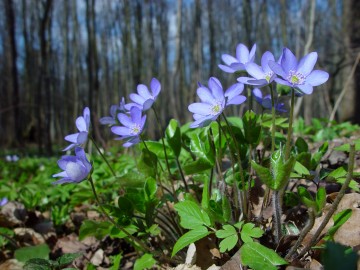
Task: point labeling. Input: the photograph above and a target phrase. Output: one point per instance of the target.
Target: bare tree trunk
(355, 45)
(12, 79)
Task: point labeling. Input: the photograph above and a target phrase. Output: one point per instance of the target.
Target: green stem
(165, 153)
(335, 204)
(133, 238)
(303, 233)
(273, 126)
(289, 134)
(102, 155)
(241, 170)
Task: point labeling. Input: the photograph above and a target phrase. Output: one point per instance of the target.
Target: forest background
(56, 57)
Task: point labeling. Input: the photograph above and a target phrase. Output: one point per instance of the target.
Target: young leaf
(173, 136)
(190, 237)
(68, 258)
(26, 253)
(263, 173)
(339, 219)
(230, 236)
(320, 198)
(281, 170)
(251, 129)
(301, 169)
(306, 197)
(150, 188)
(248, 232)
(192, 216)
(146, 261)
(259, 257)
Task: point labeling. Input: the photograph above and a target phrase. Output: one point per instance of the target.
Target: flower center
(217, 108)
(295, 77)
(268, 76)
(135, 129)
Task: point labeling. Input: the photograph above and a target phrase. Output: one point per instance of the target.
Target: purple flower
(265, 101)
(299, 75)
(214, 101)
(82, 124)
(144, 99)
(243, 56)
(132, 126)
(114, 110)
(76, 168)
(3, 201)
(261, 75)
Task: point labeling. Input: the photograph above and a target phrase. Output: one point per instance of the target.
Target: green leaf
(306, 197)
(173, 136)
(148, 163)
(68, 258)
(191, 215)
(200, 146)
(132, 179)
(337, 256)
(144, 262)
(251, 129)
(150, 188)
(339, 219)
(320, 198)
(116, 233)
(190, 237)
(316, 158)
(37, 264)
(301, 169)
(263, 173)
(281, 170)
(116, 260)
(259, 257)
(248, 232)
(301, 145)
(346, 147)
(197, 166)
(99, 229)
(230, 236)
(26, 253)
(226, 208)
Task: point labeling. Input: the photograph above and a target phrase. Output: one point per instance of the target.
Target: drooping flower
(265, 101)
(144, 99)
(3, 201)
(75, 168)
(132, 126)
(299, 75)
(82, 124)
(261, 75)
(214, 101)
(114, 110)
(243, 56)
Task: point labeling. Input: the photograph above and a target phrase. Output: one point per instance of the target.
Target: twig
(344, 90)
(335, 204)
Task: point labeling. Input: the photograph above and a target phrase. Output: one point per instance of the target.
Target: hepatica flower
(132, 126)
(114, 110)
(243, 56)
(214, 101)
(144, 99)
(265, 101)
(82, 124)
(261, 75)
(299, 75)
(3, 201)
(75, 168)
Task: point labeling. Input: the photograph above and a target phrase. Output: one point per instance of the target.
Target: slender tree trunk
(12, 79)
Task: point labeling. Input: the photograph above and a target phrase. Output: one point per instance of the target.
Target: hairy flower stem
(133, 238)
(277, 215)
(273, 126)
(303, 233)
(102, 156)
(218, 157)
(165, 153)
(335, 204)
(289, 133)
(241, 170)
